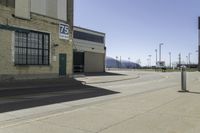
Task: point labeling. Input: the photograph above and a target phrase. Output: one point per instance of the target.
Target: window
(88, 37)
(8, 3)
(31, 48)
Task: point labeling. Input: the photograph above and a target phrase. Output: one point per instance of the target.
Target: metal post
(183, 79)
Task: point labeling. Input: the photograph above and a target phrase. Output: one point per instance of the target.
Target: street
(134, 102)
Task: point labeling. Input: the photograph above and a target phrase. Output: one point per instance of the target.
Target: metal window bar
(32, 55)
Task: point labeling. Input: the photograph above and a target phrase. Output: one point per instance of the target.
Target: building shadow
(18, 95)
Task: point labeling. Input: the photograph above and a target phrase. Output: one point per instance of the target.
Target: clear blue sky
(134, 28)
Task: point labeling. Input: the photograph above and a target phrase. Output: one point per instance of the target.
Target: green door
(62, 64)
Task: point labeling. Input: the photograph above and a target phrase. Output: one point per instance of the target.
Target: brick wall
(37, 23)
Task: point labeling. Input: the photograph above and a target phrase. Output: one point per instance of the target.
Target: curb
(103, 82)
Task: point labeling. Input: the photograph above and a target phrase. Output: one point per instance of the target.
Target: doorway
(62, 64)
(78, 62)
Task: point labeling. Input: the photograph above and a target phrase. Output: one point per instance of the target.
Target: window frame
(28, 47)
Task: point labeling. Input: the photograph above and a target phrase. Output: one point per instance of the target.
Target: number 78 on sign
(63, 31)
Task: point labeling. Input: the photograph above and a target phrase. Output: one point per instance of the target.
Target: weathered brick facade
(8, 69)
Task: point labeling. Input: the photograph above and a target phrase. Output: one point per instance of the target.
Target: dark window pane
(88, 37)
(31, 48)
(8, 3)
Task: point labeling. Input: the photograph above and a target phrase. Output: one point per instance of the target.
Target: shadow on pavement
(18, 95)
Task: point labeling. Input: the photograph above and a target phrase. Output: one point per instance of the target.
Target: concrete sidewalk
(111, 76)
(159, 111)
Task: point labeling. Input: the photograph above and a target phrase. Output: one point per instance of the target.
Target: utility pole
(156, 56)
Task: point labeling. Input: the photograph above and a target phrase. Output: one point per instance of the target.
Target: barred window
(31, 48)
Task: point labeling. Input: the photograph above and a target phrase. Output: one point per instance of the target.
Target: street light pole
(120, 62)
(117, 64)
(197, 51)
(179, 57)
(186, 59)
(150, 59)
(170, 62)
(148, 62)
(160, 58)
(156, 56)
(189, 54)
(129, 63)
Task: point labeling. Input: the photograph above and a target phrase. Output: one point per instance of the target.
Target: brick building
(36, 38)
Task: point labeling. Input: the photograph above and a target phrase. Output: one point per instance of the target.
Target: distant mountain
(113, 63)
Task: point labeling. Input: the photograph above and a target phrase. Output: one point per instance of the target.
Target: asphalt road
(146, 82)
(18, 95)
(146, 102)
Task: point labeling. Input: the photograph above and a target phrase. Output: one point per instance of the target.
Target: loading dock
(78, 62)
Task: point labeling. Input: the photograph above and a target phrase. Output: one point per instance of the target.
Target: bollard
(183, 79)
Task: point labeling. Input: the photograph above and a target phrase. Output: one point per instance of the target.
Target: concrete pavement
(107, 77)
(149, 104)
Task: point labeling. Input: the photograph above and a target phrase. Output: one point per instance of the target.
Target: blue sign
(64, 31)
